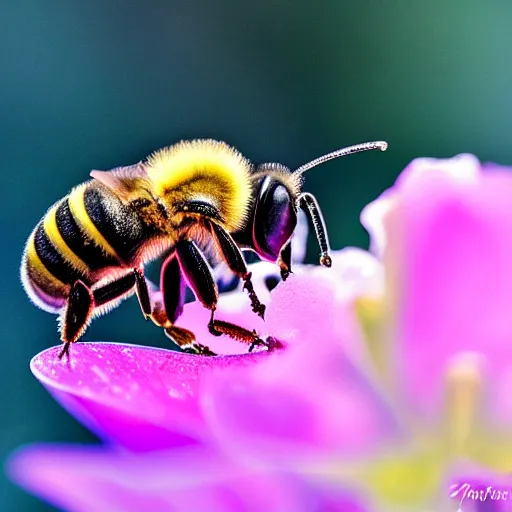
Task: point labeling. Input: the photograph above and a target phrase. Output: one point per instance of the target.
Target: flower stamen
(464, 382)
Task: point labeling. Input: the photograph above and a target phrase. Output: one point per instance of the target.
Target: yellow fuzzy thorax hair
(207, 170)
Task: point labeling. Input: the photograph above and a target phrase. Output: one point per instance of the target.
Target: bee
(194, 203)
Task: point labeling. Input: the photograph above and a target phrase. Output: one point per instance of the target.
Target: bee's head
(274, 210)
(276, 199)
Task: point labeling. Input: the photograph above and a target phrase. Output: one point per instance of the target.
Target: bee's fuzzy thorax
(205, 169)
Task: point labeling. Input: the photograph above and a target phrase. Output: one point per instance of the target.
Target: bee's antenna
(380, 144)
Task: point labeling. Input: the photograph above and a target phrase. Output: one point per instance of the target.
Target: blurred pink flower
(444, 233)
(226, 433)
(195, 479)
(392, 385)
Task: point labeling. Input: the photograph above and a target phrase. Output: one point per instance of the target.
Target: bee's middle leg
(167, 306)
(199, 276)
(162, 308)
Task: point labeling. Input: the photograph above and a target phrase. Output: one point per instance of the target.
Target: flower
(179, 480)
(168, 413)
(444, 232)
(390, 393)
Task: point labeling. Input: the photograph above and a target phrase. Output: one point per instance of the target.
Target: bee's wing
(121, 180)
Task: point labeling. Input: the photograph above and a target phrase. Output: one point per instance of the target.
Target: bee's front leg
(232, 256)
(309, 204)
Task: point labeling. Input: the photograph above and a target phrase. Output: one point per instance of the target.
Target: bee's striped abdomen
(84, 233)
(107, 224)
(118, 224)
(53, 260)
(49, 267)
(45, 290)
(81, 245)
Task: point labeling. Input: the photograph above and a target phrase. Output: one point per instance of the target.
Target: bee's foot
(271, 343)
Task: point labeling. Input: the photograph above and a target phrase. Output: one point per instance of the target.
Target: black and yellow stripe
(51, 230)
(87, 231)
(53, 260)
(38, 274)
(81, 245)
(119, 225)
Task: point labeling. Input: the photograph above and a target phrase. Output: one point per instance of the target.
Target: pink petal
(461, 169)
(312, 400)
(354, 273)
(372, 218)
(139, 397)
(449, 265)
(358, 273)
(310, 307)
(182, 480)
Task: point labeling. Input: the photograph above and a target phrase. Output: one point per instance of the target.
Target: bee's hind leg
(82, 301)
(76, 315)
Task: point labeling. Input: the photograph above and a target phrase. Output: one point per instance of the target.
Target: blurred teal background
(96, 84)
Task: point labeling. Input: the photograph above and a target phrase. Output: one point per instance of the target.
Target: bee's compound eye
(274, 220)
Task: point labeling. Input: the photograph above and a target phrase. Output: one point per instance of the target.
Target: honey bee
(194, 202)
